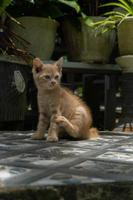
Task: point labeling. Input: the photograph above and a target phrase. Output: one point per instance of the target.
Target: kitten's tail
(93, 133)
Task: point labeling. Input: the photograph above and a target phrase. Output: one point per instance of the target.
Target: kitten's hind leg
(92, 134)
(41, 127)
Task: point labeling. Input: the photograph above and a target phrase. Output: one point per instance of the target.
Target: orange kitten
(59, 109)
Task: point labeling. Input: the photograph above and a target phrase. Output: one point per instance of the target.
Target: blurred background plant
(3, 5)
(120, 10)
(51, 9)
(7, 45)
(74, 10)
(11, 9)
(54, 8)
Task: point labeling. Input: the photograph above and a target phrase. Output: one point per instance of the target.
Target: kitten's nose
(53, 82)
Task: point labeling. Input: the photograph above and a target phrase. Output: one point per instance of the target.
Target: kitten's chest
(48, 104)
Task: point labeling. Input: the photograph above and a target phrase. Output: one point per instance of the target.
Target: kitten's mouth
(52, 86)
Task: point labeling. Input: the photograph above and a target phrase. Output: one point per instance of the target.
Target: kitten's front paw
(52, 138)
(62, 121)
(37, 136)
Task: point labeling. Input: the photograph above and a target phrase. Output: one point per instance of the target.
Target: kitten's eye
(57, 76)
(47, 77)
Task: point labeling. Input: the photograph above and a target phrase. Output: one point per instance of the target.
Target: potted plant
(83, 41)
(38, 30)
(122, 19)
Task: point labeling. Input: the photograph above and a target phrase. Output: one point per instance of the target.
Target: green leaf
(87, 20)
(13, 19)
(72, 4)
(111, 13)
(4, 4)
(122, 4)
(128, 7)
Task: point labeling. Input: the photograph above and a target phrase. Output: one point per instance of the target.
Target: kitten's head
(47, 76)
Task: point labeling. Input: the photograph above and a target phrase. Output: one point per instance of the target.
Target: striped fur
(59, 109)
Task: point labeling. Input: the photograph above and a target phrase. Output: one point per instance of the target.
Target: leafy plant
(7, 46)
(49, 8)
(76, 6)
(125, 5)
(3, 5)
(45, 8)
(124, 8)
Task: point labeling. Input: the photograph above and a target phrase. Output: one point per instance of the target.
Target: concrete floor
(26, 163)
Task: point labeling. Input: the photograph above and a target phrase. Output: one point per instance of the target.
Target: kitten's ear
(59, 63)
(37, 64)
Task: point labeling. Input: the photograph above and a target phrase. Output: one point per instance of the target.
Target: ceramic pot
(39, 32)
(125, 36)
(85, 44)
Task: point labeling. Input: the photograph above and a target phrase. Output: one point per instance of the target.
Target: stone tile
(24, 161)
